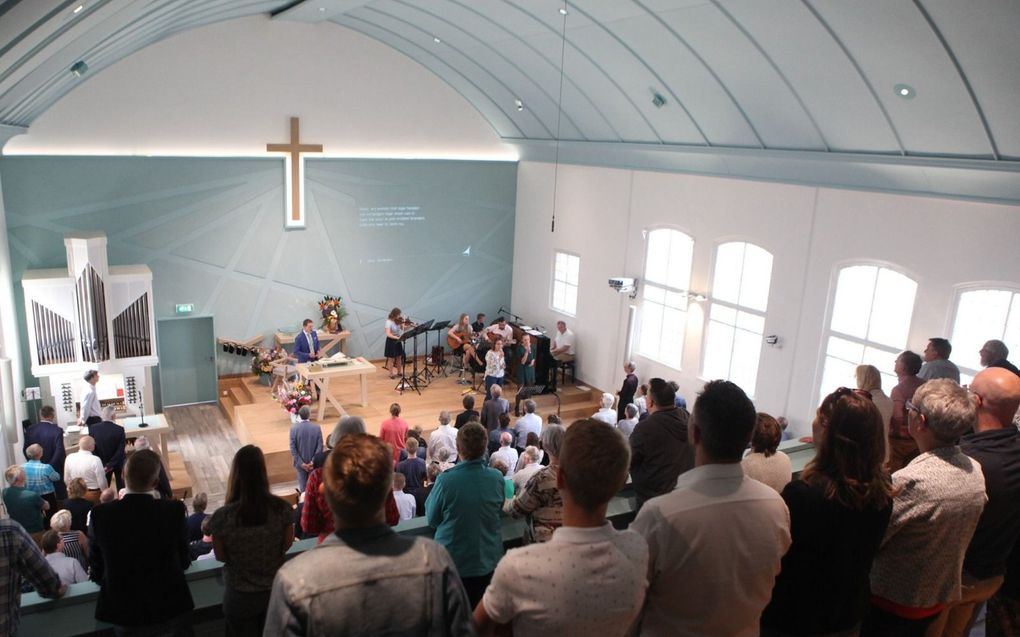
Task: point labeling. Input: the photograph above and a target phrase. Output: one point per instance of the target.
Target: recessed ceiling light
(79, 68)
(658, 100)
(904, 91)
(78, 9)
(322, 8)
(437, 40)
(563, 11)
(519, 104)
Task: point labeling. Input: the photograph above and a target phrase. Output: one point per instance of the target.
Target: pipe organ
(90, 316)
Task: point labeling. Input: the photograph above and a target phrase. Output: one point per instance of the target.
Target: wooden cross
(295, 163)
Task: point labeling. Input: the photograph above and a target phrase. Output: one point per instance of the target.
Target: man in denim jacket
(365, 579)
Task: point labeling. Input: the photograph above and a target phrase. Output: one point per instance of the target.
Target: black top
(139, 551)
(195, 526)
(51, 438)
(110, 441)
(659, 453)
(998, 451)
(79, 508)
(1005, 364)
(477, 326)
(627, 391)
(464, 416)
(823, 584)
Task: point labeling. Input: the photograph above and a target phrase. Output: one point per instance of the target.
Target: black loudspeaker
(224, 347)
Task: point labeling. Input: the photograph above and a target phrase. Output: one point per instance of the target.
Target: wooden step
(227, 405)
(239, 395)
(180, 481)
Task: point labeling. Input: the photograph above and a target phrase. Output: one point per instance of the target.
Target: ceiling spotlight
(78, 9)
(519, 104)
(563, 11)
(904, 91)
(658, 100)
(322, 9)
(79, 68)
(437, 40)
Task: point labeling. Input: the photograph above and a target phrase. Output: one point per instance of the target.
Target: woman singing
(459, 339)
(394, 348)
(525, 354)
(495, 366)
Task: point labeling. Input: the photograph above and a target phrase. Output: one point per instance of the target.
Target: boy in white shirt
(560, 587)
(406, 505)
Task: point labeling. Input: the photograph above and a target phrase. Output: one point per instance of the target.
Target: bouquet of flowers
(332, 310)
(262, 362)
(296, 397)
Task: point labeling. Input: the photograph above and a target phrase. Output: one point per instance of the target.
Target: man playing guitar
(459, 339)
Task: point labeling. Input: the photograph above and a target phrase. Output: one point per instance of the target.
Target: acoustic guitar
(451, 340)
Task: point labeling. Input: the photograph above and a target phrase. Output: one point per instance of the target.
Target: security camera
(624, 285)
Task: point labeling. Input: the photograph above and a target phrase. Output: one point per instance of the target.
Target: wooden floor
(207, 436)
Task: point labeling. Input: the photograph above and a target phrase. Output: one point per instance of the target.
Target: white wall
(600, 215)
(228, 89)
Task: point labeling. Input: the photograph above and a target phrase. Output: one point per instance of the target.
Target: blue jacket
(301, 346)
(51, 438)
(305, 442)
(110, 441)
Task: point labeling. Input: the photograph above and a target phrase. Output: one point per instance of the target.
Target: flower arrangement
(332, 310)
(262, 362)
(296, 397)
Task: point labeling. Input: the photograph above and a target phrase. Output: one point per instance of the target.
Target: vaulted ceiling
(883, 82)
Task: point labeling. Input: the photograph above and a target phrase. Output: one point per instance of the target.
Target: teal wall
(212, 232)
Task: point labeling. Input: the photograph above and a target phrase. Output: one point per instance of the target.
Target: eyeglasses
(911, 406)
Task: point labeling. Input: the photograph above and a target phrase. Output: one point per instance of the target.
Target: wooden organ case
(90, 316)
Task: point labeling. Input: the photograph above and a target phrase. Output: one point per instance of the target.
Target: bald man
(87, 466)
(995, 444)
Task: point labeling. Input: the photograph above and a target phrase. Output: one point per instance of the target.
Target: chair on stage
(562, 367)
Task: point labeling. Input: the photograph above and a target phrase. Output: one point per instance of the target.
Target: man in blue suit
(110, 441)
(50, 437)
(306, 343)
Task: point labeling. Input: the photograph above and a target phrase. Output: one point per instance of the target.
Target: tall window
(736, 317)
(870, 322)
(983, 315)
(664, 295)
(566, 271)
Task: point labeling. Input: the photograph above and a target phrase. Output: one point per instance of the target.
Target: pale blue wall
(212, 232)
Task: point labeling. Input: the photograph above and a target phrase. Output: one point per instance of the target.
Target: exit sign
(185, 308)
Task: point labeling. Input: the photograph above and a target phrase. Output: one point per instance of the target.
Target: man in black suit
(139, 551)
(627, 391)
(48, 435)
(110, 441)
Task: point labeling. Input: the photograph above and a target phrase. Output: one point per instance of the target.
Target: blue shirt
(305, 442)
(465, 508)
(39, 477)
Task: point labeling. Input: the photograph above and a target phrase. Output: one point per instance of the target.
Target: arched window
(871, 316)
(983, 315)
(664, 295)
(736, 316)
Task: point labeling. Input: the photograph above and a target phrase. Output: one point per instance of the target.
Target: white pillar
(10, 347)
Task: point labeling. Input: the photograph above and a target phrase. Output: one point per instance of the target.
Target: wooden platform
(256, 418)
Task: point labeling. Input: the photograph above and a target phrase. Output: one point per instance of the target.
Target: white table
(157, 424)
(320, 376)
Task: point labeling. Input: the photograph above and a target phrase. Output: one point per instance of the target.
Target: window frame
(554, 281)
(644, 283)
(1012, 287)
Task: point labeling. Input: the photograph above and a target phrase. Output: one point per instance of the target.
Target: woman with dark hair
(765, 463)
(839, 511)
(394, 350)
(251, 533)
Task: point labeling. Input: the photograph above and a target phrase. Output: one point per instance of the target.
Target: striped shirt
(21, 558)
(39, 477)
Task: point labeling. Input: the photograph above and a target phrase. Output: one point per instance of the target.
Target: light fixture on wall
(905, 91)
(78, 9)
(79, 68)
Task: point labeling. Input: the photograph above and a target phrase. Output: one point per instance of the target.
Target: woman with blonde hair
(870, 380)
(76, 544)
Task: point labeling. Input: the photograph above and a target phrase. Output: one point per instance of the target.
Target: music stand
(406, 381)
(421, 377)
(439, 364)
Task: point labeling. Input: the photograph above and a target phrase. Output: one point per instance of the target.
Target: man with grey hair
(110, 443)
(530, 422)
(506, 453)
(444, 436)
(607, 414)
(305, 442)
(629, 421)
(939, 498)
(528, 465)
(629, 389)
(994, 354)
(87, 466)
(23, 505)
(40, 478)
(346, 426)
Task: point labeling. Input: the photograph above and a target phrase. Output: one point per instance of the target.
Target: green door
(187, 360)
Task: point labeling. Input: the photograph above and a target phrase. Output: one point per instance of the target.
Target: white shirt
(90, 404)
(508, 455)
(607, 415)
(68, 569)
(582, 582)
(626, 426)
(566, 339)
(406, 505)
(88, 467)
(642, 404)
(311, 343)
(528, 423)
(715, 545)
(521, 477)
(507, 332)
(444, 436)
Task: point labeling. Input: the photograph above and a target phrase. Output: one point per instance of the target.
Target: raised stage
(260, 420)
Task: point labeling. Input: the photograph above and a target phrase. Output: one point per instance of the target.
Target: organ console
(89, 316)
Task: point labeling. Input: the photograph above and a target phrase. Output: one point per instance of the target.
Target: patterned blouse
(73, 548)
(540, 501)
(254, 553)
